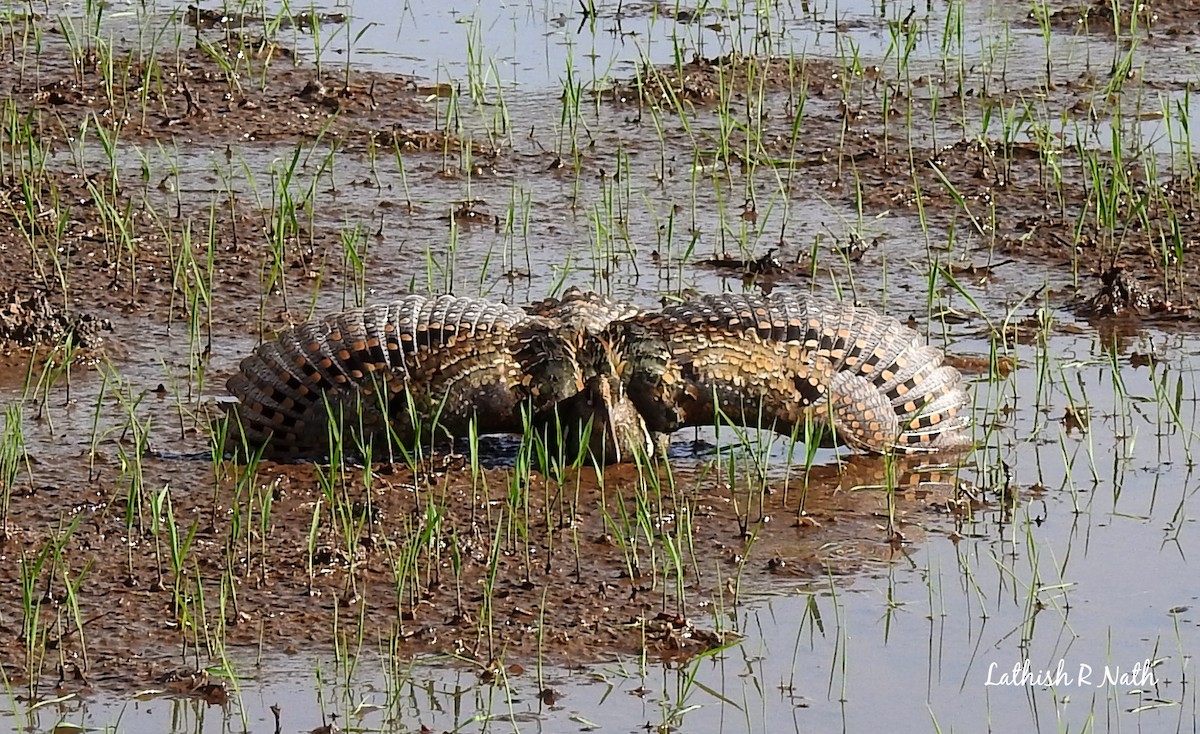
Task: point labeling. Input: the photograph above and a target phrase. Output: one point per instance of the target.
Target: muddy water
(1067, 536)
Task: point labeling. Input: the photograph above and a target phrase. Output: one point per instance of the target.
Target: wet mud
(1036, 200)
(450, 560)
(29, 322)
(1164, 20)
(528, 569)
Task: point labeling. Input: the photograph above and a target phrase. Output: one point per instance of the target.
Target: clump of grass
(14, 458)
(164, 528)
(42, 639)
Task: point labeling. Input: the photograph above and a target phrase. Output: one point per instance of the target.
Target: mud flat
(176, 186)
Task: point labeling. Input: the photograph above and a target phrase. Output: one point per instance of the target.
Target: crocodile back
(573, 376)
(780, 360)
(582, 311)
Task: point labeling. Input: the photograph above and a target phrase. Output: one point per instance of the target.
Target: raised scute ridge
(428, 367)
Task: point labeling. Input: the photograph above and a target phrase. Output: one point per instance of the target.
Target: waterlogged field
(1016, 180)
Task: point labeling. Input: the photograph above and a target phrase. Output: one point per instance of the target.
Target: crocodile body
(425, 368)
(597, 375)
(786, 362)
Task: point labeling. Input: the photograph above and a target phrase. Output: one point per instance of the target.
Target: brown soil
(704, 81)
(237, 91)
(29, 321)
(1032, 199)
(563, 583)
(1158, 19)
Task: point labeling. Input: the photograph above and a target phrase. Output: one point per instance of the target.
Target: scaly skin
(783, 360)
(397, 372)
(581, 311)
(428, 367)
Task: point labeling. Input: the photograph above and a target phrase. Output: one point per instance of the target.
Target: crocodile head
(601, 421)
(594, 416)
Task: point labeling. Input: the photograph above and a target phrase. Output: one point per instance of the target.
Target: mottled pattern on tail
(778, 361)
(582, 311)
(358, 367)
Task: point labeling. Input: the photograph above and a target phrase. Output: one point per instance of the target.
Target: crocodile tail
(775, 361)
(384, 372)
(288, 388)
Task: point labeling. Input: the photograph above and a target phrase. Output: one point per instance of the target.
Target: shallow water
(1076, 553)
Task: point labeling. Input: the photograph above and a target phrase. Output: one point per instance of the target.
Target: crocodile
(800, 365)
(598, 376)
(424, 368)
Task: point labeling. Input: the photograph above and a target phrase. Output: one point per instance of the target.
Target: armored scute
(597, 375)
